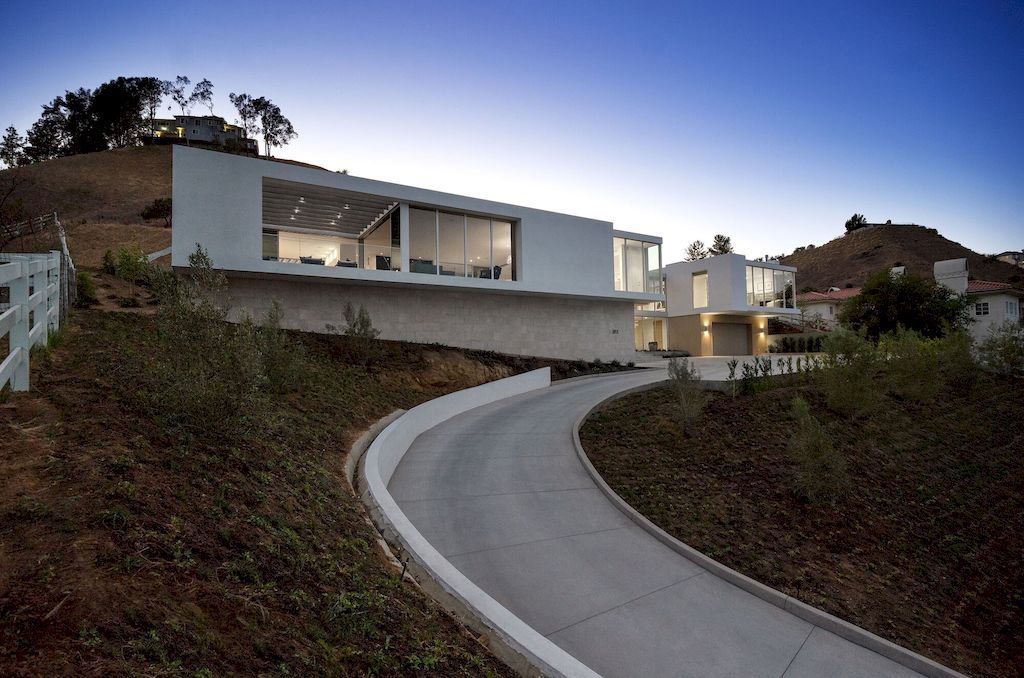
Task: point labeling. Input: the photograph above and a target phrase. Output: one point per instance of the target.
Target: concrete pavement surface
(500, 492)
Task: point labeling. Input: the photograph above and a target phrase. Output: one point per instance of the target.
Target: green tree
(11, 153)
(151, 93)
(855, 222)
(202, 93)
(721, 245)
(247, 115)
(696, 250)
(277, 130)
(887, 302)
(118, 111)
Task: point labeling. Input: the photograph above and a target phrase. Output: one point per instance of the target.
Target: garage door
(730, 339)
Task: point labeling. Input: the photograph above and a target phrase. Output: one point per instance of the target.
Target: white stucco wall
(727, 286)
(996, 313)
(218, 203)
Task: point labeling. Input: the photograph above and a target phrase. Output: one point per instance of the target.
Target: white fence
(32, 311)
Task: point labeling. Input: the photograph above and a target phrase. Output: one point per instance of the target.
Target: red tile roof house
(823, 307)
(992, 303)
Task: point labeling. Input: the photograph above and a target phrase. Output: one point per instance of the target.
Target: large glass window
(307, 248)
(382, 246)
(637, 266)
(452, 244)
(470, 246)
(422, 241)
(770, 287)
(700, 289)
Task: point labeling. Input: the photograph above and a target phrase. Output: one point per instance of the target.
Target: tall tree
(202, 93)
(176, 90)
(118, 111)
(151, 92)
(855, 222)
(247, 116)
(11, 147)
(721, 245)
(888, 301)
(696, 251)
(277, 130)
(47, 137)
(84, 134)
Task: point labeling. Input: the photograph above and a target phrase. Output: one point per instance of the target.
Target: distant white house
(211, 130)
(992, 303)
(822, 308)
(721, 305)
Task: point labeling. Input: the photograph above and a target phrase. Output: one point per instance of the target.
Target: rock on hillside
(854, 257)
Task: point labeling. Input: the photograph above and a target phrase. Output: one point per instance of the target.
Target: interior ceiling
(289, 204)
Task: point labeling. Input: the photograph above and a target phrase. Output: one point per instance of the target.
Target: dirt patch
(927, 549)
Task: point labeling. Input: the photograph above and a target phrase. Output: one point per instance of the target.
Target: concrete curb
(813, 615)
(524, 649)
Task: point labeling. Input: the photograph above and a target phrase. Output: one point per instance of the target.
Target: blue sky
(770, 122)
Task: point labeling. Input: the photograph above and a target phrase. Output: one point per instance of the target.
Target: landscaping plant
(820, 474)
(1003, 349)
(690, 394)
(848, 372)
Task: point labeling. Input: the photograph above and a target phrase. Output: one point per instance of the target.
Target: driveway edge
(516, 643)
(813, 615)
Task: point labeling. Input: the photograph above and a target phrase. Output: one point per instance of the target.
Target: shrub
(283, 357)
(158, 209)
(109, 263)
(850, 364)
(912, 366)
(956, 360)
(690, 394)
(820, 474)
(732, 364)
(130, 266)
(1003, 349)
(86, 290)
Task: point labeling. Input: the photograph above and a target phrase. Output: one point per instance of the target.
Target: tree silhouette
(855, 222)
(277, 130)
(11, 147)
(202, 93)
(247, 115)
(721, 245)
(696, 250)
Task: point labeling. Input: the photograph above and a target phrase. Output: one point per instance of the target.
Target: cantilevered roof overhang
(289, 204)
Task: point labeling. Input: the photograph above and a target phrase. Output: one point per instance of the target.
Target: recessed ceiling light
(347, 207)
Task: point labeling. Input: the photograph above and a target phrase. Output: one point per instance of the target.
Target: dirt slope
(852, 258)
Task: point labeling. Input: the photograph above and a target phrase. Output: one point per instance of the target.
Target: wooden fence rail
(32, 311)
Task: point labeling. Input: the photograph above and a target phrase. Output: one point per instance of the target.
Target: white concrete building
(821, 309)
(721, 305)
(428, 266)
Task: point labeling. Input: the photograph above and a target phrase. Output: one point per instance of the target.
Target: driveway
(500, 492)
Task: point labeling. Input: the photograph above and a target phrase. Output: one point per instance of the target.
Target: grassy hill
(98, 197)
(852, 258)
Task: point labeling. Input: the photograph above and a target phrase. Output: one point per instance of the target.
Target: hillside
(98, 197)
(852, 258)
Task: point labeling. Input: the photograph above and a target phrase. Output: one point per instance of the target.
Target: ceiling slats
(291, 204)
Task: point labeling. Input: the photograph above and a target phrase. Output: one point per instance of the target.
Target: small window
(1012, 309)
(700, 290)
(830, 310)
(981, 308)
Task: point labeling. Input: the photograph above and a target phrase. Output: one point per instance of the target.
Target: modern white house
(428, 266)
(721, 305)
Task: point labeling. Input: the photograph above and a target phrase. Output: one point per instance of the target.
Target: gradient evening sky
(770, 122)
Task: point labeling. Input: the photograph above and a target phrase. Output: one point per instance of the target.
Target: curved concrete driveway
(500, 492)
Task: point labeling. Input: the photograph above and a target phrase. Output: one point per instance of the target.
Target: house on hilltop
(201, 130)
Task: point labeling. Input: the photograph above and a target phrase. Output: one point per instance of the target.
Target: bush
(1003, 349)
(912, 368)
(690, 394)
(109, 263)
(130, 266)
(851, 363)
(158, 209)
(956, 360)
(86, 289)
(820, 474)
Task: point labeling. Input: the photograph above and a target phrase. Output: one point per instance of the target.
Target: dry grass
(852, 258)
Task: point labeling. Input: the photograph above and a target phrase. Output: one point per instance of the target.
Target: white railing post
(19, 332)
(53, 295)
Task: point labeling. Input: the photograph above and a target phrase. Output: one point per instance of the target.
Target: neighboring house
(429, 267)
(822, 308)
(209, 130)
(992, 303)
(1011, 257)
(720, 305)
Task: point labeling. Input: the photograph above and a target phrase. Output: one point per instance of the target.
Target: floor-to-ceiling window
(770, 287)
(637, 266)
(465, 246)
(382, 245)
